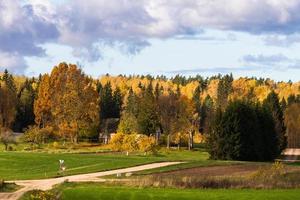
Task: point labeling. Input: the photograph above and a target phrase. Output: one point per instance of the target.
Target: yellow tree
(42, 104)
(74, 102)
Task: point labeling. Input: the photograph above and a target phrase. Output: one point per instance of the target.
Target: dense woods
(244, 118)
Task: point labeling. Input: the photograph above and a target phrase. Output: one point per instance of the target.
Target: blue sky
(245, 37)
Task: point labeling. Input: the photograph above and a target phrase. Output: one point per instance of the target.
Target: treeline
(69, 105)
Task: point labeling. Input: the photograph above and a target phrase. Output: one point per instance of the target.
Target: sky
(244, 37)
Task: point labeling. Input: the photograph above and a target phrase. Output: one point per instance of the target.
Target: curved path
(47, 184)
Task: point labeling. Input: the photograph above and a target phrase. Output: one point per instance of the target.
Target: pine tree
(106, 102)
(224, 90)
(25, 114)
(244, 131)
(272, 102)
(147, 115)
(128, 122)
(117, 102)
(206, 114)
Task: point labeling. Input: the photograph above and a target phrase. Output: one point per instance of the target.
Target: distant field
(32, 165)
(96, 191)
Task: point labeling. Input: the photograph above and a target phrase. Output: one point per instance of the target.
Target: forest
(240, 119)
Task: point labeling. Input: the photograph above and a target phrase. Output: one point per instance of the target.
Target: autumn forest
(67, 105)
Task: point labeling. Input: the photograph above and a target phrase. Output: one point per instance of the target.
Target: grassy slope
(94, 191)
(29, 165)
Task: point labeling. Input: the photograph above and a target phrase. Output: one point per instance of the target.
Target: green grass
(73, 191)
(33, 165)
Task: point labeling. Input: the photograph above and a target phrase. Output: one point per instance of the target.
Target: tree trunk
(168, 141)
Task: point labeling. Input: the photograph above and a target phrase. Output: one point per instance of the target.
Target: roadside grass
(35, 165)
(8, 187)
(79, 191)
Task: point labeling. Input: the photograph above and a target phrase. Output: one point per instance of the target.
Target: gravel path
(47, 184)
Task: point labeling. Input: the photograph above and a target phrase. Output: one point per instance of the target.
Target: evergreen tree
(244, 131)
(128, 121)
(106, 102)
(147, 116)
(196, 99)
(25, 113)
(206, 114)
(157, 91)
(117, 103)
(272, 103)
(224, 89)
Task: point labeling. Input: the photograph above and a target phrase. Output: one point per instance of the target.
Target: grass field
(33, 165)
(81, 191)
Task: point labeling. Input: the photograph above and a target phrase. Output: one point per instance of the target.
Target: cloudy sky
(246, 37)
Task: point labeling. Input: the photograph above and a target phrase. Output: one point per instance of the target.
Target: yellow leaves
(211, 90)
(261, 92)
(189, 89)
(147, 144)
(132, 142)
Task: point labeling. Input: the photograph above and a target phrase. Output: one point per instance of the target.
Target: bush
(133, 142)
(116, 142)
(36, 135)
(269, 173)
(41, 195)
(147, 144)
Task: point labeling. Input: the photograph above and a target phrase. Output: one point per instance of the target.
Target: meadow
(71, 191)
(20, 165)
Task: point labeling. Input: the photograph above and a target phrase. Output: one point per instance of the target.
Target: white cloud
(12, 62)
(129, 24)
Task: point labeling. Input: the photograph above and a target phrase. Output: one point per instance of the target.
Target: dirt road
(47, 184)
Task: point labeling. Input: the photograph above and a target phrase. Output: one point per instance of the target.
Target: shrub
(1, 183)
(55, 145)
(147, 144)
(42, 195)
(133, 142)
(130, 142)
(116, 142)
(36, 135)
(269, 173)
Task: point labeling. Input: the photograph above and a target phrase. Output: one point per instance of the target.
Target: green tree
(106, 102)
(147, 117)
(128, 122)
(117, 103)
(244, 131)
(25, 113)
(224, 90)
(272, 102)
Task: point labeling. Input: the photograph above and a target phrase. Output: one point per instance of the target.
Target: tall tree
(42, 104)
(25, 113)
(106, 102)
(272, 102)
(243, 132)
(75, 107)
(8, 100)
(147, 116)
(224, 89)
(128, 122)
(206, 114)
(117, 103)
